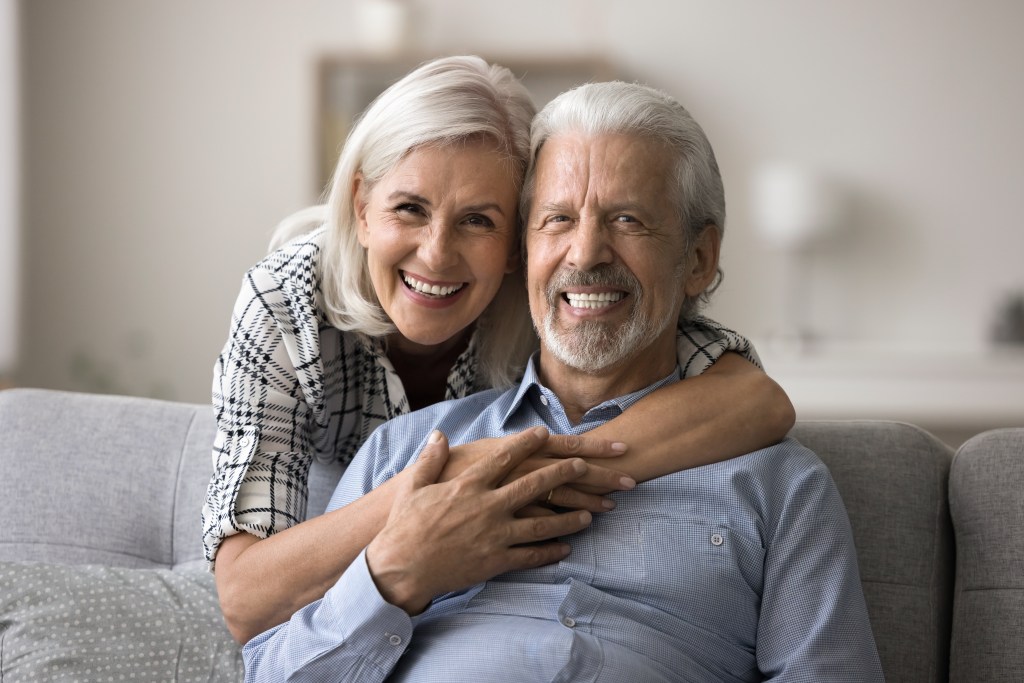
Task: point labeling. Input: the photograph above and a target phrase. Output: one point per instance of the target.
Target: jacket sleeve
(701, 341)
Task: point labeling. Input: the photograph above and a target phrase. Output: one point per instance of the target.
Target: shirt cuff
(367, 621)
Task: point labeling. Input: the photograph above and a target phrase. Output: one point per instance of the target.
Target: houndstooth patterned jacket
(288, 387)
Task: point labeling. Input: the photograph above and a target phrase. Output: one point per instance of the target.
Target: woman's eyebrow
(408, 196)
(489, 206)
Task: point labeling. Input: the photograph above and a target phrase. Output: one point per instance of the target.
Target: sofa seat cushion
(96, 623)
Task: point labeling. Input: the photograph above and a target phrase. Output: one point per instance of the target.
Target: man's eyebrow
(552, 206)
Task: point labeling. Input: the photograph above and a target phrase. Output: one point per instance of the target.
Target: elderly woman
(408, 291)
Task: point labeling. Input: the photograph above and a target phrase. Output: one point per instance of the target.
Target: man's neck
(580, 391)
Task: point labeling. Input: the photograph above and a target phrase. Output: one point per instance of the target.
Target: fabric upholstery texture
(987, 504)
(893, 479)
(94, 623)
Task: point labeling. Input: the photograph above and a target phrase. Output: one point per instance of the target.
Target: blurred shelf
(966, 391)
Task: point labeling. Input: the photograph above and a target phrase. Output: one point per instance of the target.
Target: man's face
(605, 244)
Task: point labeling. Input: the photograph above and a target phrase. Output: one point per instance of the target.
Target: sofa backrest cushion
(893, 479)
(102, 479)
(986, 498)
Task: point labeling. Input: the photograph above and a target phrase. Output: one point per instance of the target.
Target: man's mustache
(614, 276)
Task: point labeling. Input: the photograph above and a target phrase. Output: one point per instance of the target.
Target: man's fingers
(432, 460)
(535, 486)
(534, 530)
(529, 557)
(582, 446)
(509, 451)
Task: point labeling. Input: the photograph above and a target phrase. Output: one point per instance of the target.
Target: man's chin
(591, 353)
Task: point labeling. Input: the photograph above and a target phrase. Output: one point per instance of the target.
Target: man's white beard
(589, 345)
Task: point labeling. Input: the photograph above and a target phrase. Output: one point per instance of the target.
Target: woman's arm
(732, 409)
(262, 582)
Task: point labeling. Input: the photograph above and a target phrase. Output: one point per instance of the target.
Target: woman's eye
(480, 220)
(409, 208)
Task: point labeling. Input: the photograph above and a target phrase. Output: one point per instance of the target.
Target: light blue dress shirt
(744, 570)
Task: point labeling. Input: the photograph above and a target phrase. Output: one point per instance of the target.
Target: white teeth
(428, 289)
(596, 300)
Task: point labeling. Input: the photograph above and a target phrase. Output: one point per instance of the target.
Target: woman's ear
(359, 203)
(703, 261)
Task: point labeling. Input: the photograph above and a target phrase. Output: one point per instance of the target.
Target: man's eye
(625, 218)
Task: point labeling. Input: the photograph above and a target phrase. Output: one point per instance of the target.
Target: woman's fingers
(598, 479)
(582, 446)
(570, 497)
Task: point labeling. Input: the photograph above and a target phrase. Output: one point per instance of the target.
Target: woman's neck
(423, 369)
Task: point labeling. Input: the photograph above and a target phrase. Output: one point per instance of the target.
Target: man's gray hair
(632, 109)
(446, 101)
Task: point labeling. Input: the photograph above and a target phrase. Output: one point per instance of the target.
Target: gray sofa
(101, 573)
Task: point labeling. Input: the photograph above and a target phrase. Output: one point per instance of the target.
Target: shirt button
(543, 399)
(395, 639)
(568, 622)
(246, 441)
(716, 539)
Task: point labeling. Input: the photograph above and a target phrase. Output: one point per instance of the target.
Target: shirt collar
(619, 404)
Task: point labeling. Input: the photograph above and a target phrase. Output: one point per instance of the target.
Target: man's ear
(703, 263)
(359, 203)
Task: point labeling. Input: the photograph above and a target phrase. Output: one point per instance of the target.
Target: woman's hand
(586, 493)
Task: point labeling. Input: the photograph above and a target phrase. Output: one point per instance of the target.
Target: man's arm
(439, 537)
(814, 622)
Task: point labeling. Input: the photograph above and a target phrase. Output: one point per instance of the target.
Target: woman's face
(440, 235)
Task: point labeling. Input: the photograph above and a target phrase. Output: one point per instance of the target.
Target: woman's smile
(431, 290)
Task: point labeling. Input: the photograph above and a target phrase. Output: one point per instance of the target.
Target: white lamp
(793, 208)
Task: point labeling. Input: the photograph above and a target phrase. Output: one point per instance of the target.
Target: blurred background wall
(160, 142)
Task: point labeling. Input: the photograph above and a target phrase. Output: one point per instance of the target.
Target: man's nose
(590, 245)
(437, 247)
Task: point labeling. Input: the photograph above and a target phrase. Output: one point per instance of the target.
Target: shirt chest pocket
(688, 564)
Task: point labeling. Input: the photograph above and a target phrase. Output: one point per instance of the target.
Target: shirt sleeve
(351, 634)
(814, 623)
(702, 341)
(261, 452)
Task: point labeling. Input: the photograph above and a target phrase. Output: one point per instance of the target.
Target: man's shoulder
(786, 465)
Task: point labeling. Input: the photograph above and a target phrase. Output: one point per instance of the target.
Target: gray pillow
(95, 623)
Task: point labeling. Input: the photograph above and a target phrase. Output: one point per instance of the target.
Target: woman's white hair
(632, 109)
(442, 102)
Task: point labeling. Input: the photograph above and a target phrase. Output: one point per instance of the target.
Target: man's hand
(585, 493)
(442, 537)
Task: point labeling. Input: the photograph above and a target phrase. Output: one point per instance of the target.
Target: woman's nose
(438, 248)
(589, 246)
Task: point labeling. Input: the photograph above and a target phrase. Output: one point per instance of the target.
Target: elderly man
(743, 570)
